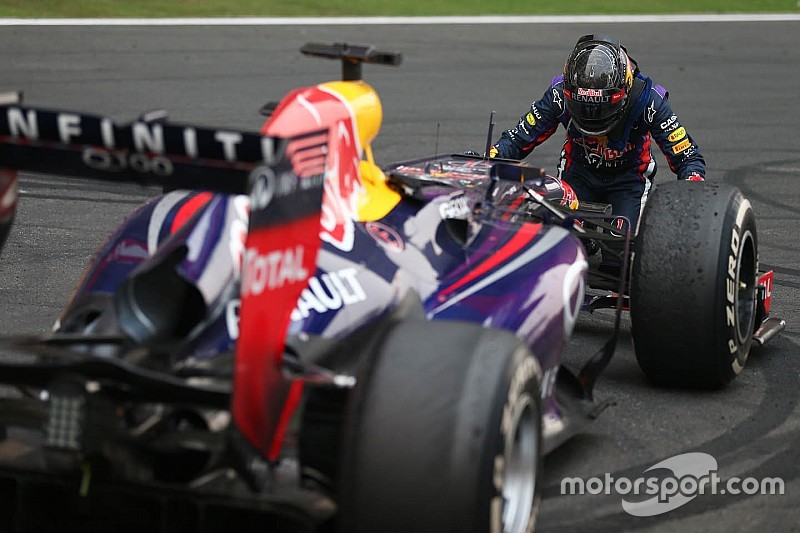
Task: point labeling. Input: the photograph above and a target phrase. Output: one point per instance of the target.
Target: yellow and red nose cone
(356, 188)
(365, 105)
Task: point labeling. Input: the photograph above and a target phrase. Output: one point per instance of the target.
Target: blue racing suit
(618, 168)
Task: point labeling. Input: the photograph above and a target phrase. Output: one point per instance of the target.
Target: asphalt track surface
(734, 85)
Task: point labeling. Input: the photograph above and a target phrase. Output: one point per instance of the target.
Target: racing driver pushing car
(611, 113)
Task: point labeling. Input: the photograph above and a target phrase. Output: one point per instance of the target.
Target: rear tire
(444, 434)
(693, 284)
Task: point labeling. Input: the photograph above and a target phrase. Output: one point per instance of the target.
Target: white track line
(338, 21)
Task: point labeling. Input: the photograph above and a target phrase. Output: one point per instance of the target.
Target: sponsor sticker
(651, 112)
(669, 124)
(531, 119)
(677, 135)
(589, 92)
(557, 99)
(385, 236)
(681, 146)
(273, 269)
(329, 291)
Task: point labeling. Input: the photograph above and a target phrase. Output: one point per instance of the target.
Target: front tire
(693, 284)
(444, 434)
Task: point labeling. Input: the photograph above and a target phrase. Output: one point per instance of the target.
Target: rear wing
(147, 152)
(284, 178)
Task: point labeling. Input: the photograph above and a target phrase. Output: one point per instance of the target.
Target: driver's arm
(681, 151)
(534, 127)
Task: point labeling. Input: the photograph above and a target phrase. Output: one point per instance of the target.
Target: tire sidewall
(522, 398)
(739, 241)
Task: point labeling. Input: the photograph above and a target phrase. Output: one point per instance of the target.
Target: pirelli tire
(693, 284)
(444, 434)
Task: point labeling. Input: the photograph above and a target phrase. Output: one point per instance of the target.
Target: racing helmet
(598, 76)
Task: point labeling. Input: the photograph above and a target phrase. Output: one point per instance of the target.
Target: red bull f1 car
(292, 338)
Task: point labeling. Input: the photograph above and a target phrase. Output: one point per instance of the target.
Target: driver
(611, 113)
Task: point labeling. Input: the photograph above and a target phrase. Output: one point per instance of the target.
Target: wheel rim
(521, 463)
(746, 289)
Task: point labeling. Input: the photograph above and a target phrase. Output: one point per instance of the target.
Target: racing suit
(618, 168)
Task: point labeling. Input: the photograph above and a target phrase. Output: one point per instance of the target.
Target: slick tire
(443, 434)
(693, 284)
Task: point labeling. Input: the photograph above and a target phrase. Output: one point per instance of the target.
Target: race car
(292, 338)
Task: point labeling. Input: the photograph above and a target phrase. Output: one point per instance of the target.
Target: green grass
(333, 8)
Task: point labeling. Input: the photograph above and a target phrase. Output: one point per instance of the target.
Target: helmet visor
(595, 112)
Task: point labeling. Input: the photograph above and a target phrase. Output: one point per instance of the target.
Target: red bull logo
(569, 198)
(589, 92)
(310, 109)
(343, 188)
